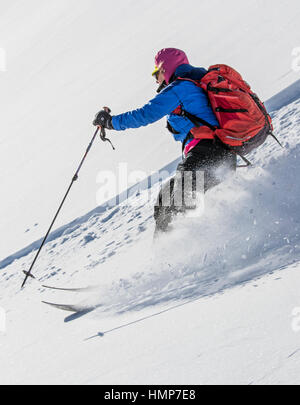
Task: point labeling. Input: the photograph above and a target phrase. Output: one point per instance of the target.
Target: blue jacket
(192, 99)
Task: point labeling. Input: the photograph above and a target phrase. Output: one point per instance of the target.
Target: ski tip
(76, 309)
(79, 290)
(63, 307)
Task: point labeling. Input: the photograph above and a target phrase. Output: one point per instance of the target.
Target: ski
(80, 290)
(70, 308)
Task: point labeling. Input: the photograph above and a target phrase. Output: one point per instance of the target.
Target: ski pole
(75, 177)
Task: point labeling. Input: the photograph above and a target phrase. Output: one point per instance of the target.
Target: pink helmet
(170, 59)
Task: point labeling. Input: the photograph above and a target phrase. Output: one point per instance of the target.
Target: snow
(239, 337)
(65, 61)
(214, 302)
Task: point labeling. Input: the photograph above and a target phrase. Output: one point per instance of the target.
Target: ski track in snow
(250, 227)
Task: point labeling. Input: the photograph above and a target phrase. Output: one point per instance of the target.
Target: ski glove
(103, 118)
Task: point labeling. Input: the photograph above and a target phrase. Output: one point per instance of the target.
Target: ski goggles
(156, 71)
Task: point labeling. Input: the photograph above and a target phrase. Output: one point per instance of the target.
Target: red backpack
(240, 113)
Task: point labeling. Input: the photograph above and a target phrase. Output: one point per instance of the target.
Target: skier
(176, 93)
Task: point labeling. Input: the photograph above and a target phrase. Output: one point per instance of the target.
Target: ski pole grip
(107, 109)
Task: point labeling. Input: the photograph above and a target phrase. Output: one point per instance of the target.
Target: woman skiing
(178, 94)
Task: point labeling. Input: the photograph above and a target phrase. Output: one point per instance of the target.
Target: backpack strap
(196, 120)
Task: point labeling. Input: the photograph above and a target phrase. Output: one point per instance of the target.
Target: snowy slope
(244, 336)
(66, 59)
(220, 309)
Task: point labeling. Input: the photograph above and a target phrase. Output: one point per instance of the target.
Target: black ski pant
(202, 166)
